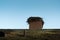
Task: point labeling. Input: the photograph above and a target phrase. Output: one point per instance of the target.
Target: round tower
(35, 23)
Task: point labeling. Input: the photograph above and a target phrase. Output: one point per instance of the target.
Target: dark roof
(33, 19)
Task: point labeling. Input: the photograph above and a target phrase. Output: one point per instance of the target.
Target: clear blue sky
(14, 13)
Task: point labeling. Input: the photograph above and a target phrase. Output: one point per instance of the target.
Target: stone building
(35, 23)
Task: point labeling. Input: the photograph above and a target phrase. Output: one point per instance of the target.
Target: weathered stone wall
(32, 34)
